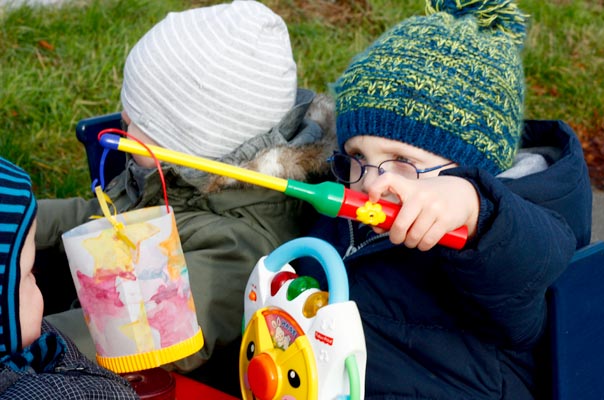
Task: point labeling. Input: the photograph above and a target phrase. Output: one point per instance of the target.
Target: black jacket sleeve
(504, 272)
(528, 230)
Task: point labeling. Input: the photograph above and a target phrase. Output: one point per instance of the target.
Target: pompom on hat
(205, 80)
(17, 212)
(450, 82)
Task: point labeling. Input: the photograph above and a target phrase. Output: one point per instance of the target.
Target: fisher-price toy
(329, 198)
(299, 342)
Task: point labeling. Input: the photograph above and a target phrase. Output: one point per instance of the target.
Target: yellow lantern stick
(328, 198)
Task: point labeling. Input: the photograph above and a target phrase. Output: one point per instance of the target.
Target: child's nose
(370, 176)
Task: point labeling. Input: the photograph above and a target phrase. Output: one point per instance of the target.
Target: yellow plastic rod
(204, 164)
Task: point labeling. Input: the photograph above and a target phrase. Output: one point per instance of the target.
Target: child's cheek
(31, 310)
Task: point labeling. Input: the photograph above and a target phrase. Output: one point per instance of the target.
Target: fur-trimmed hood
(297, 148)
(285, 152)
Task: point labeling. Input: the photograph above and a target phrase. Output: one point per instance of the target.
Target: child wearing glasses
(36, 360)
(431, 116)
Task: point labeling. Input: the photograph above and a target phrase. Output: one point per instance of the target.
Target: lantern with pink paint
(132, 282)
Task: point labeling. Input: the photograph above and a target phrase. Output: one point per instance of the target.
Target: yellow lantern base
(154, 358)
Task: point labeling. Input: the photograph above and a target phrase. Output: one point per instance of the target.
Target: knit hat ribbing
(205, 80)
(451, 82)
(17, 212)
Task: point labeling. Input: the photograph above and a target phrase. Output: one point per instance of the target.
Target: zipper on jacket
(352, 248)
(69, 369)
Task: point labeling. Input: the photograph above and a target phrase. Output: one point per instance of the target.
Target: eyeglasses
(348, 169)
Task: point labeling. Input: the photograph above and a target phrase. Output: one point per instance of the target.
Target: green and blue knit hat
(17, 212)
(450, 82)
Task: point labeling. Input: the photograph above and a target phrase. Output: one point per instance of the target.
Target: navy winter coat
(448, 324)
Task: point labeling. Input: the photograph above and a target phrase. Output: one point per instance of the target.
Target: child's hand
(430, 208)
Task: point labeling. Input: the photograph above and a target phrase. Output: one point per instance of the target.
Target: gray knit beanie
(205, 80)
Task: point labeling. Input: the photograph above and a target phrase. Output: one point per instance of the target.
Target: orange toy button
(262, 376)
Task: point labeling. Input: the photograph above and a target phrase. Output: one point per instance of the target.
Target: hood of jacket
(297, 148)
(564, 182)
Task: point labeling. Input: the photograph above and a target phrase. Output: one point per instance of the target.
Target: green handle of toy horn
(325, 197)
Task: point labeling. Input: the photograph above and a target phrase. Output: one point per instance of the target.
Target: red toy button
(279, 280)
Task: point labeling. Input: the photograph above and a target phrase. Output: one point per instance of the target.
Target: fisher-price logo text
(323, 338)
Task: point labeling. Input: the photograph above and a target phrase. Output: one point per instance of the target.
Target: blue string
(101, 171)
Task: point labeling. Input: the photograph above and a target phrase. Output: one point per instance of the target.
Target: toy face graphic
(276, 360)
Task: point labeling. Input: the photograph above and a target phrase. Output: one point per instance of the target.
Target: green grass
(565, 61)
(61, 64)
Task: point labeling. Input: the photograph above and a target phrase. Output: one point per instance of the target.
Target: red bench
(189, 389)
(159, 384)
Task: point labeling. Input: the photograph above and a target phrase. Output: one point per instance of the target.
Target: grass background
(59, 64)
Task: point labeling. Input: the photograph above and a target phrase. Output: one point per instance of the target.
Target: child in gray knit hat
(36, 361)
(217, 82)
